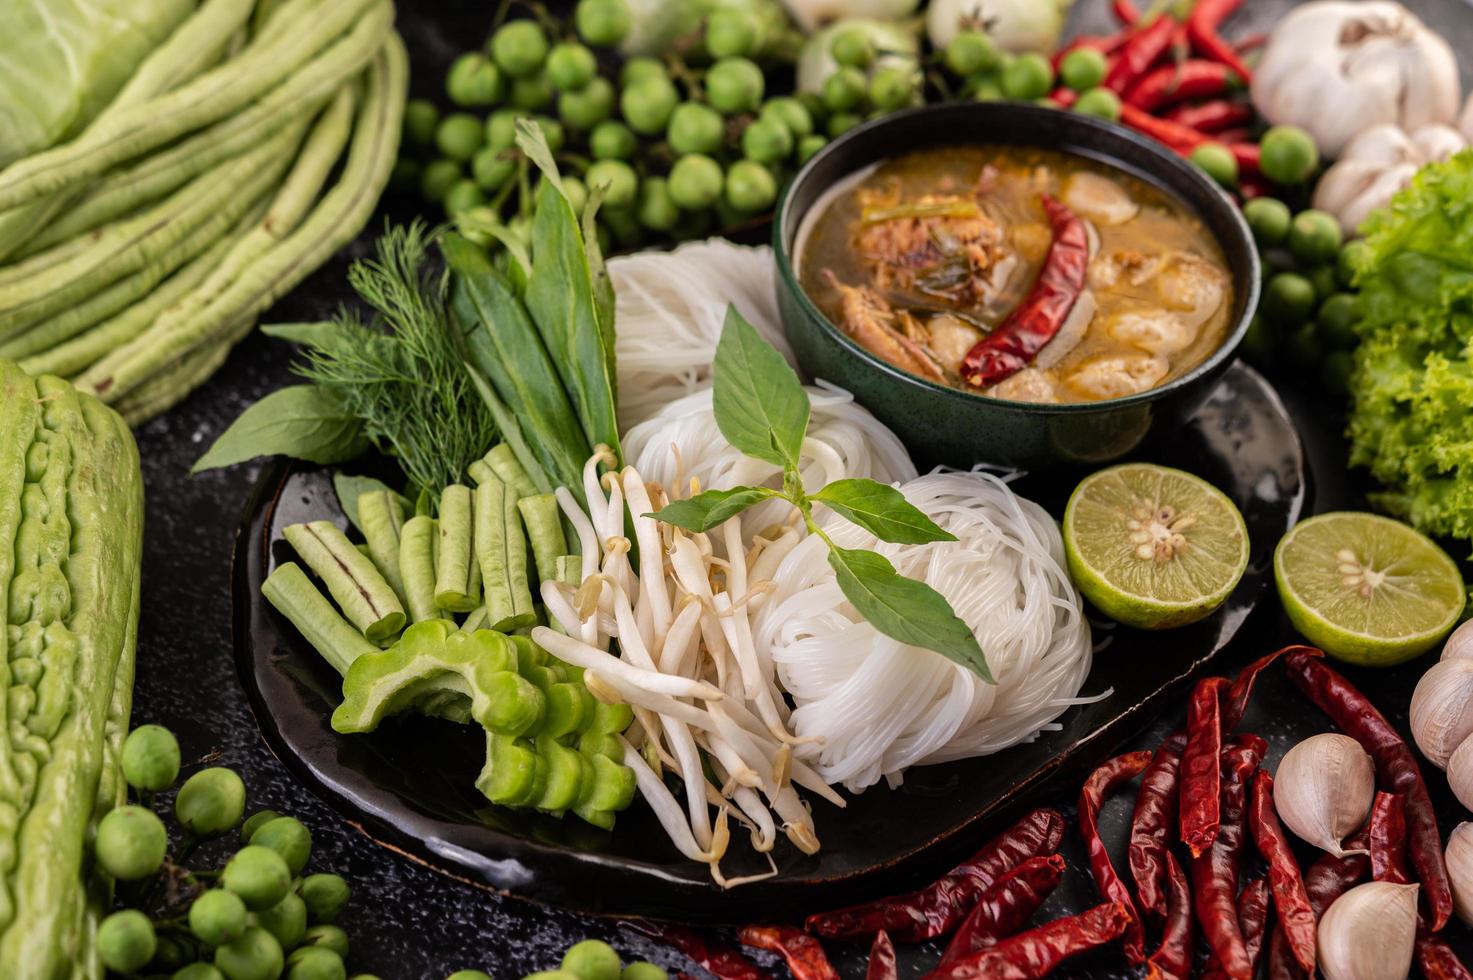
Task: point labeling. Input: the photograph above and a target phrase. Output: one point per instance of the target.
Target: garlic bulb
(1368, 933)
(1016, 25)
(1335, 67)
(1442, 709)
(1460, 644)
(1324, 788)
(1459, 857)
(1376, 164)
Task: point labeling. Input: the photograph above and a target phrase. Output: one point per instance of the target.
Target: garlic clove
(1438, 142)
(1459, 857)
(1460, 772)
(1368, 933)
(1442, 709)
(1385, 144)
(1324, 788)
(1460, 643)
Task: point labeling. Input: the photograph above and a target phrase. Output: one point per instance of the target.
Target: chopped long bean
(503, 462)
(294, 596)
(569, 570)
(383, 521)
(501, 548)
(417, 567)
(456, 553)
(544, 524)
(359, 590)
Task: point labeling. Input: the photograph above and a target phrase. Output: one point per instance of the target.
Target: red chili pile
(1203, 803)
(1179, 81)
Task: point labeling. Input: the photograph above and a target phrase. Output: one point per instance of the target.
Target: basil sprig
(762, 410)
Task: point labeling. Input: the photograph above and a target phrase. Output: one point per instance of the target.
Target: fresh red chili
(1140, 54)
(1202, 30)
(1291, 901)
(1396, 769)
(1436, 959)
(1201, 768)
(1386, 836)
(1182, 139)
(1250, 42)
(1150, 827)
(805, 957)
(717, 959)
(1193, 79)
(1215, 871)
(1253, 903)
(1106, 44)
(1215, 117)
(1006, 907)
(1248, 156)
(882, 964)
(940, 907)
(1037, 952)
(1101, 783)
(1173, 958)
(1125, 11)
(1016, 341)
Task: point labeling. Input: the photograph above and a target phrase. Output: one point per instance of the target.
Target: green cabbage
(1411, 421)
(63, 60)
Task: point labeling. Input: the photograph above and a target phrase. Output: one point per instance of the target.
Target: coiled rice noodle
(874, 706)
(669, 309)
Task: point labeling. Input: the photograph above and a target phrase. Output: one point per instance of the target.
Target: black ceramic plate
(411, 784)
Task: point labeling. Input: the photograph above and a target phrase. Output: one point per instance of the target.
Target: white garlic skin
(1324, 788)
(1460, 772)
(1460, 643)
(1459, 858)
(1442, 709)
(1369, 932)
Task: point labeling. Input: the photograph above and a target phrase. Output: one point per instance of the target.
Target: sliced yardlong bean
(569, 570)
(456, 551)
(382, 520)
(214, 95)
(544, 525)
(501, 548)
(339, 216)
(508, 470)
(294, 596)
(417, 567)
(357, 587)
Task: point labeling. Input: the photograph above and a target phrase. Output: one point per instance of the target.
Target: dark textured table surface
(406, 921)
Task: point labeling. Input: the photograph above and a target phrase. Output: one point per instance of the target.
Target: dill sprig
(403, 374)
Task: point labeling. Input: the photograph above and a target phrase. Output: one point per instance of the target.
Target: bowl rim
(784, 219)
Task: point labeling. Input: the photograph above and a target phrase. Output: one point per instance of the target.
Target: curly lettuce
(1411, 420)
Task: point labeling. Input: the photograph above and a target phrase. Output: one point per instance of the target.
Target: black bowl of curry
(1011, 284)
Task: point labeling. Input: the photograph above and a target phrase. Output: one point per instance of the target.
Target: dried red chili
(1151, 824)
(717, 959)
(940, 907)
(1215, 871)
(1173, 958)
(1202, 31)
(805, 957)
(1291, 902)
(1006, 907)
(1396, 770)
(1325, 880)
(1235, 706)
(1101, 783)
(1253, 903)
(1038, 952)
(1215, 117)
(1386, 838)
(1140, 54)
(1436, 959)
(1016, 341)
(882, 964)
(1193, 79)
(1201, 767)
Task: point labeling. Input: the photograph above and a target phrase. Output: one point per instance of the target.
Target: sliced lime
(1367, 589)
(1153, 547)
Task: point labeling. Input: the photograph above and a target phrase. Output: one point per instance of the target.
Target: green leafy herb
(761, 407)
(905, 609)
(350, 488)
(712, 508)
(315, 333)
(303, 421)
(882, 511)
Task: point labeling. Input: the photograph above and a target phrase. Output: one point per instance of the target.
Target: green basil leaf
(350, 488)
(905, 609)
(760, 405)
(882, 511)
(711, 508)
(303, 421)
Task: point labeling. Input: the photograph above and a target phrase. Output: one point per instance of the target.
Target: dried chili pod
(1291, 902)
(1150, 827)
(1326, 879)
(1038, 952)
(1215, 871)
(1201, 768)
(1386, 838)
(1396, 770)
(805, 957)
(1253, 903)
(1005, 907)
(1436, 959)
(716, 958)
(1103, 781)
(1235, 705)
(882, 965)
(1173, 959)
(940, 907)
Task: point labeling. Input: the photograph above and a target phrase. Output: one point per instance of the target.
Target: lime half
(1367, 589)
(1153, 547)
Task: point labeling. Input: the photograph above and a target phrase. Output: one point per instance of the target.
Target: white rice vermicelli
(875, 706)
(668, 315)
